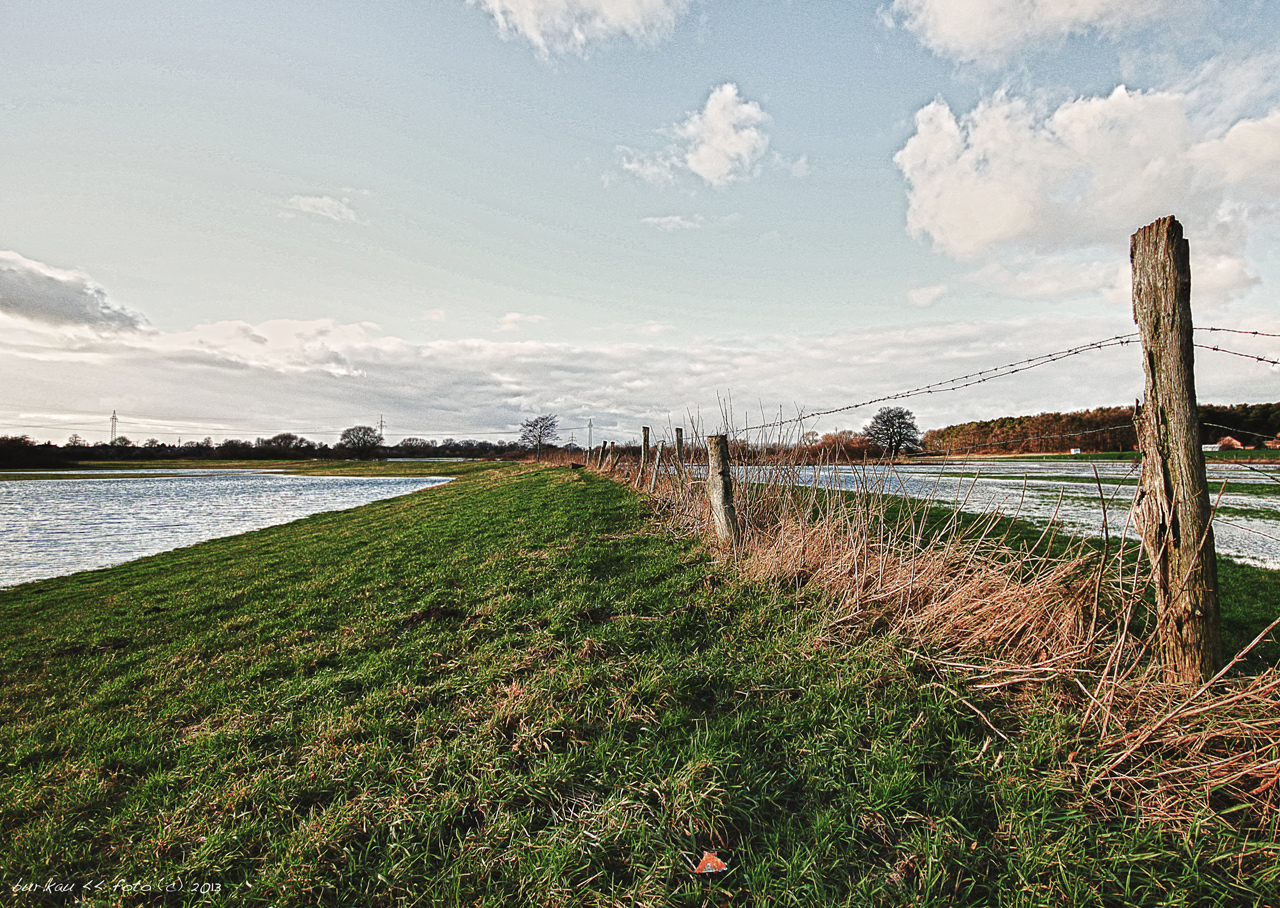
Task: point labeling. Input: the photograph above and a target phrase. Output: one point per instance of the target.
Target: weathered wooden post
(657, 465)
(680, 453)
(644, 456)
(720, 488)
(1173, 499)
(612, 460)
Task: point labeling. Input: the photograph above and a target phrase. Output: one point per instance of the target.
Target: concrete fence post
(1173, 513)
(720, 488)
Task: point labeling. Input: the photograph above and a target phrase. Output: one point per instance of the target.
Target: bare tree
(539, 431)
(361, 442)
(894, 429)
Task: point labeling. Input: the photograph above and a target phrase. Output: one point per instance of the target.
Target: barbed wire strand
(1214, 425)
(1217, 349)
(960, 381)
(1239, 331)
(1014, 441)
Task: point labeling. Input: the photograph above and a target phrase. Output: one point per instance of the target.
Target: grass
(516, 689)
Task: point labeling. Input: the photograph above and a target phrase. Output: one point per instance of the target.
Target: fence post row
(720, 488)
(1173, 500)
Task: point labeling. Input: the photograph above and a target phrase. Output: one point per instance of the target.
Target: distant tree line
(1097, 430)
(359, 442)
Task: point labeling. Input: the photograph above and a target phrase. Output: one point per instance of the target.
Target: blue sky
(229, 220)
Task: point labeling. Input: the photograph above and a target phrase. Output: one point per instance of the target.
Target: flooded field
(72, 521)
(1246, 523)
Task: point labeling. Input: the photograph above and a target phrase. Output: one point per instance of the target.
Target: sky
(232, 219)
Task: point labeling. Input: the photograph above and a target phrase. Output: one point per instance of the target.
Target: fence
(1174, 510)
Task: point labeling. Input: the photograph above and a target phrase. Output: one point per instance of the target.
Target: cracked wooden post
(720, 488)
(657, 464)
(1173, 500)
(680, 454)
(611, 460)
(644, 456)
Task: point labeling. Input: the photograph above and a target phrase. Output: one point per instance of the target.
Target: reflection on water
(1069, 492)
(50, 527)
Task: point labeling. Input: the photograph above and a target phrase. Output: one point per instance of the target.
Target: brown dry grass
(1008, 620)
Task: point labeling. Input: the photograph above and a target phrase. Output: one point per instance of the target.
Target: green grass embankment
(515, 690)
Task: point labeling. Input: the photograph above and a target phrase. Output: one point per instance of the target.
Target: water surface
(97, 518)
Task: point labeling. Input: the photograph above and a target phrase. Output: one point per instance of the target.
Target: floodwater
(1246, 525)
(96, 518)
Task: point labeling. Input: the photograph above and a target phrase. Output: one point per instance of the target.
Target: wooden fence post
(720, 488)
(1173, 498)
(612, 460)
(644, 456)
(680, 453)
(657, 464)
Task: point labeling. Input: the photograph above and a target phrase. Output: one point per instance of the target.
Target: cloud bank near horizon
(318, 376)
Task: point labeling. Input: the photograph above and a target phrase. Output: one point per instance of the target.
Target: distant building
(1227, 443)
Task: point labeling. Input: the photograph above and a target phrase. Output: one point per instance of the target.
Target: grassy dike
(516, 690)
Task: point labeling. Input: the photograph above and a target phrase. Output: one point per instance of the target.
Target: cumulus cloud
(323, 206)
(987, 30)
(1085, 175)
(38, 292)
(558, 26)
(720, 144)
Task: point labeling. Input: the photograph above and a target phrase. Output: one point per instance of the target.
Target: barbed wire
(1214, 425)
(1014, 441)
(960, 381)
(1239, 331)
(1261, 359)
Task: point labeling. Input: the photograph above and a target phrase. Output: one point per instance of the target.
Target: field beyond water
(517, 689)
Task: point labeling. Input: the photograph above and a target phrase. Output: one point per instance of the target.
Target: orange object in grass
(711, 864)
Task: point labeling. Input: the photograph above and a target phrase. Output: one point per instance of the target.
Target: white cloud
(721, 144)
(675, 222)
(1011, 176)
(323, 206)
(672, 222)
(924, 297)
(513, 320)
(38, 292)
(557, 26)
(987, 30)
